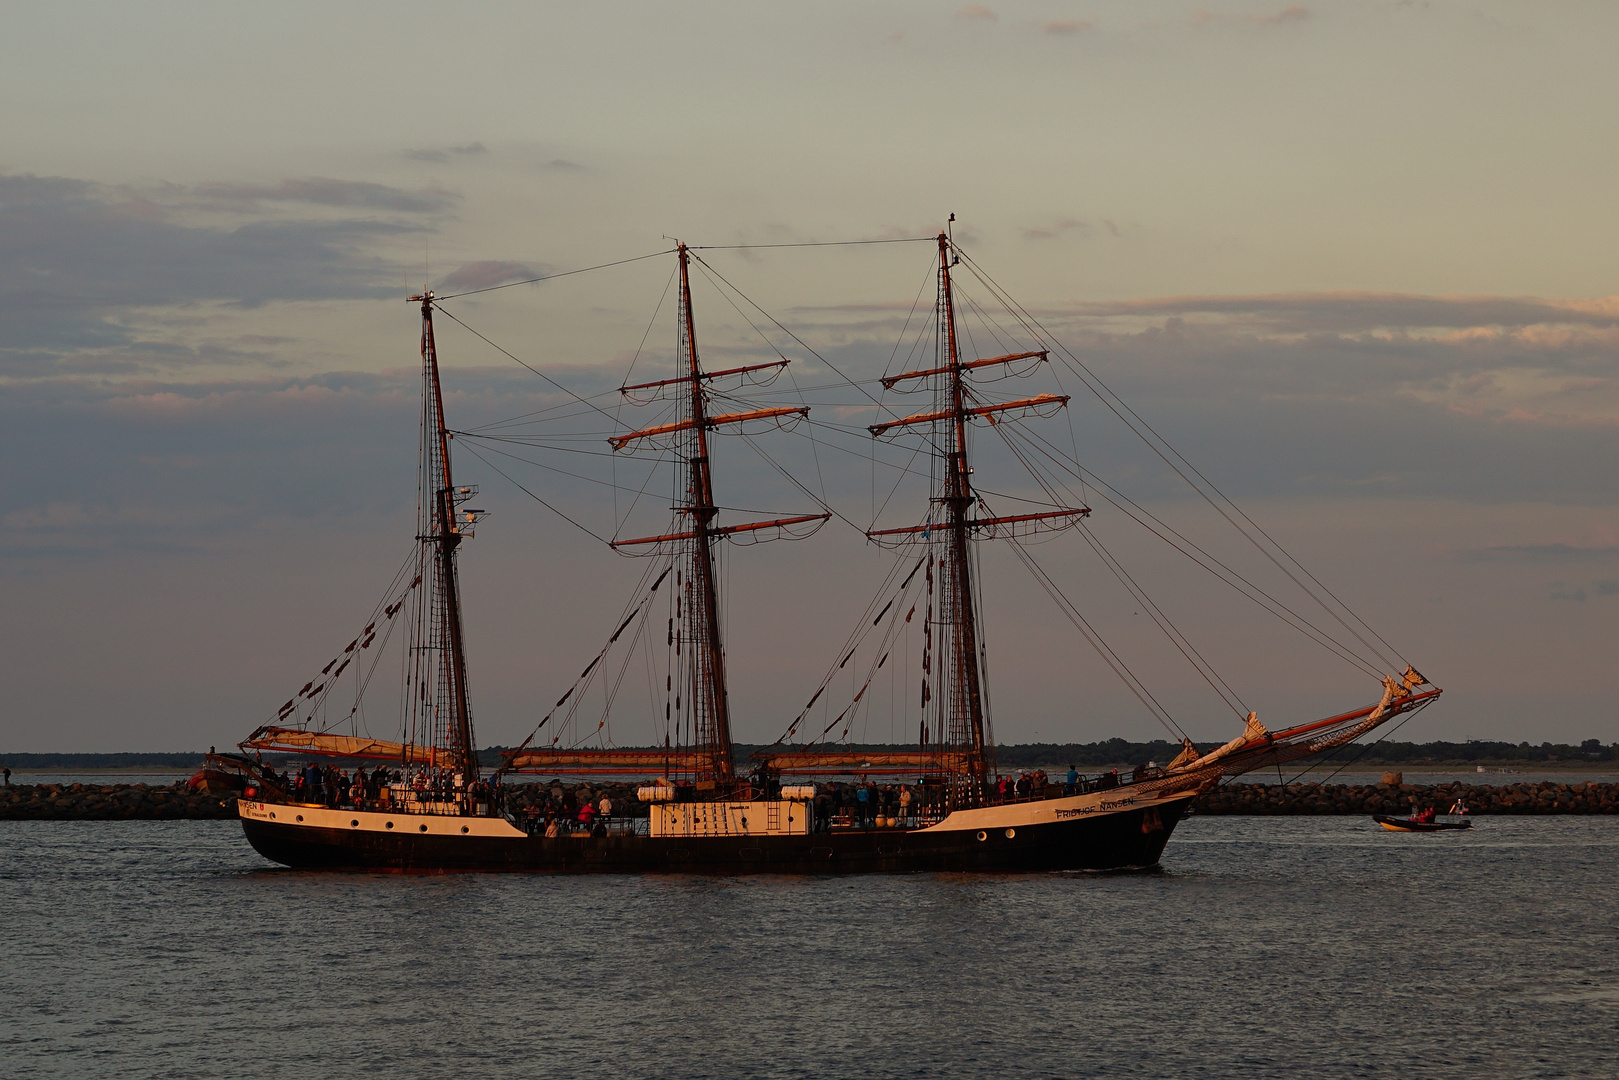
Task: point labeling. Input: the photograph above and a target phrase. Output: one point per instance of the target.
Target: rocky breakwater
(1548, 797)
(111, 802)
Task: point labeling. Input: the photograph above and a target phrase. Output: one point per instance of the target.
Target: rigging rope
(1115, 404)
(808, 244)
(531, 367)
(553, 277)
(473, 450)
(1109, 657)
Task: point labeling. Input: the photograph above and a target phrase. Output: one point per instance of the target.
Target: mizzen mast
(440, 699)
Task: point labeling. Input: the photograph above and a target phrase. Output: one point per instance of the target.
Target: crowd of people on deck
(386, 788)
(560, 811)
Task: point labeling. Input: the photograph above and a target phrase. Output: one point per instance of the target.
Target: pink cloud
(1293, 13)
(978, 11)
(483, 275)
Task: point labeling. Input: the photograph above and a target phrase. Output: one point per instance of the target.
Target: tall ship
(424, 801)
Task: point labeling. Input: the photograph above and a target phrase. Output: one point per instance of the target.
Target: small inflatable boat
(1401, 824)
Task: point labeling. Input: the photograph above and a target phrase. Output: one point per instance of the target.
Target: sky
(1355, 260)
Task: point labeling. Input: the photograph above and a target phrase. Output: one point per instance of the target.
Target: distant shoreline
(1437, 756)
(1491, 768)
(104, 770)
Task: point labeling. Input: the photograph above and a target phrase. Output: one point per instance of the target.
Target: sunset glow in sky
(1356, 260)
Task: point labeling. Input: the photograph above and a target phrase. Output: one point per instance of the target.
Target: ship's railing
(612, 825)
(412, 802)
(850, 817)
(1086, 785)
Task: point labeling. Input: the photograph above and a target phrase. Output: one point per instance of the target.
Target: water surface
(1285, 947)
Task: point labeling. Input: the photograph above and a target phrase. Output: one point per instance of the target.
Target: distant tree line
(1015, 756)
(1478, 750)
(75, 762)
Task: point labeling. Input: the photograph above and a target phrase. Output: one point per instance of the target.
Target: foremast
(963, 703)
(440, 701)
(960, 734)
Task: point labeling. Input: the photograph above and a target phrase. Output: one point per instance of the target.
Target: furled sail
(294, 741)
(1258, 748)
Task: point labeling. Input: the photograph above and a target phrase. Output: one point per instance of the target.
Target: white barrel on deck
(656, 793)
(798, 791)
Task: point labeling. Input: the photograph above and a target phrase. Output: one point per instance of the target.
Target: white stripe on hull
(372, 821)
(1096, 804)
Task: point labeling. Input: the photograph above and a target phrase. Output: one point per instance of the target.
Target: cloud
(442, 156)
(1337, 311)
(324, 191)
(170, 466)
(977, 12)
(1293, 13)
(76, 259)
(1065, 27)
(1290, 14)
(1065, 225)
(563, 165)
(484, 275)
(1541, 553)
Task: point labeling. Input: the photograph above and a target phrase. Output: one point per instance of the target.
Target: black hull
(1125, 840)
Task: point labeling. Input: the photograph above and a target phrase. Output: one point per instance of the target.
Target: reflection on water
(1298, 947)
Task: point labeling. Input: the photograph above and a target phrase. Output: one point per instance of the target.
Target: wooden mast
(964, 703)
(439, 530)
(965, 752)
(710, 701)
(699, 641)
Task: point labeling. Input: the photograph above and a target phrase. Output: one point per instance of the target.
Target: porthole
(422, 827)
(355, 823)
(1011, 833)
(465, 829)
(300, 817)
(272, 815)
(983, 835)
(387, 825)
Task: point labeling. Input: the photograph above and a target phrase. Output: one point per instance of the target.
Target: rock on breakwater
(111, 802)
(1547, 797)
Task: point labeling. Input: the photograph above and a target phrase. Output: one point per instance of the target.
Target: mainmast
(698, 639)
(441, 696)
(710, 699)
